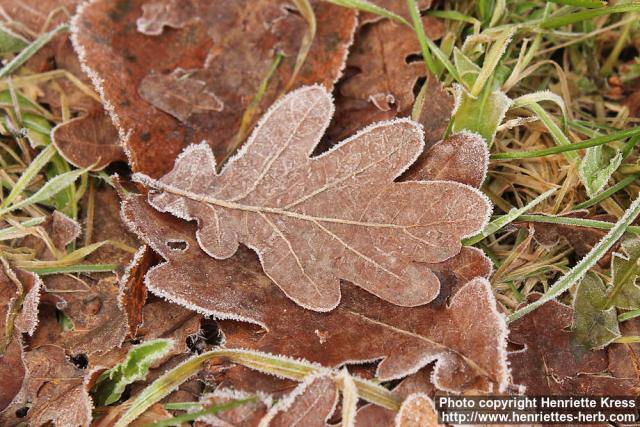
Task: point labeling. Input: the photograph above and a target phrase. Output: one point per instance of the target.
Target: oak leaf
(547, 364)
(316, 220)
(417, 410)
(382, 53)
(404, 338)
(121, 47)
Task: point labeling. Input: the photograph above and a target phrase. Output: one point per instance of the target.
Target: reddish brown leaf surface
(462, 157)
(89, 141)
(548, 365)
(245, 415)
(132, 294)
(53, 391)
(310, 404)
(125, 44)
(405, 338)
(19, 299)
(381, 54)
(417, 410)
(314, 221)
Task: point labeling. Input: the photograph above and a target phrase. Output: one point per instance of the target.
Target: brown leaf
(54, 390)
(310, 404)
(462, 157)
(314, 221)
(624, 359)
(179, 94)
(547, 365)
(19, 299)
(404, 338)
(123, 46)
(372, 414)
(352, 115)
(246, 415)
(436, 111)
(417, 410)
(90, 140)
(382, 53)
(60, 229)
(133, 293)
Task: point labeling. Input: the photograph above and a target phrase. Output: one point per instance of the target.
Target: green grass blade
(50, 189)
(591, 4)
(628, 315)
(192, 416)
(15, 232)
(593, 142)
(11, 42)
(587, 15)
(576, 222)
(607, 193)
(78, 268)
(491, 61)
(554, 130)
(504, 220)
(31, 50)
(27, 176)
(418, 28)
(365, 6)
(589, 260)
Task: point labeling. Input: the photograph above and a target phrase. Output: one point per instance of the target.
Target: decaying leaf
(178, 94)
(123, 44)
(90, 140)
(132, 294)
(436, 111)
(382, 53)
(417, 410)
(310, 404)
(462, 157)
(595, 323)
(314, 221)
(53, 391)
(19, 299)
(547, 365)
(404, 338)
(248, 414)
(624, 292)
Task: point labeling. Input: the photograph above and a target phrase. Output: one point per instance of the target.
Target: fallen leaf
(372, 414)
(123, 44)
(132, 293)
(89, 141)
(248, 414)
(53, 391)
(404, 338)
(19, 299)
(310, 404)
(179, 94)
(352, 115)
(314, 221)
(462, 157)
(595, 324)
(417, 410)
(382, 53)
(624, 359)
(548, 366)
(436, 111)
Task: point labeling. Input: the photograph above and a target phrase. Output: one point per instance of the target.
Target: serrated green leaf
(594, 325)
(597, 166)
(624, 292)
(111, 383)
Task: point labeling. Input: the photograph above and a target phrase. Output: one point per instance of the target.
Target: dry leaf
(19, 299)
(404, 338)
(132, 294)
(310, 404)
(314, 221)
(87, 141)
(382, 53)
(53, 390)
(417, 410)
(436, 111)
(179, 94)
(462, 157)
(123, 46)
(547, 365)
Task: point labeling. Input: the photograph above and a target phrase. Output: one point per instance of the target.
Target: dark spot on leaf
(81, 361)
(22, 412)
(177, 245)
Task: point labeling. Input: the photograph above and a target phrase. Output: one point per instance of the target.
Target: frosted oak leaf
(316, 220)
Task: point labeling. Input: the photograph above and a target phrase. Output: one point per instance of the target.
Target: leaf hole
(208, 336)
(414, 57)
(416, 87)
(22, 412)
(177, 245)
(81, 361)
